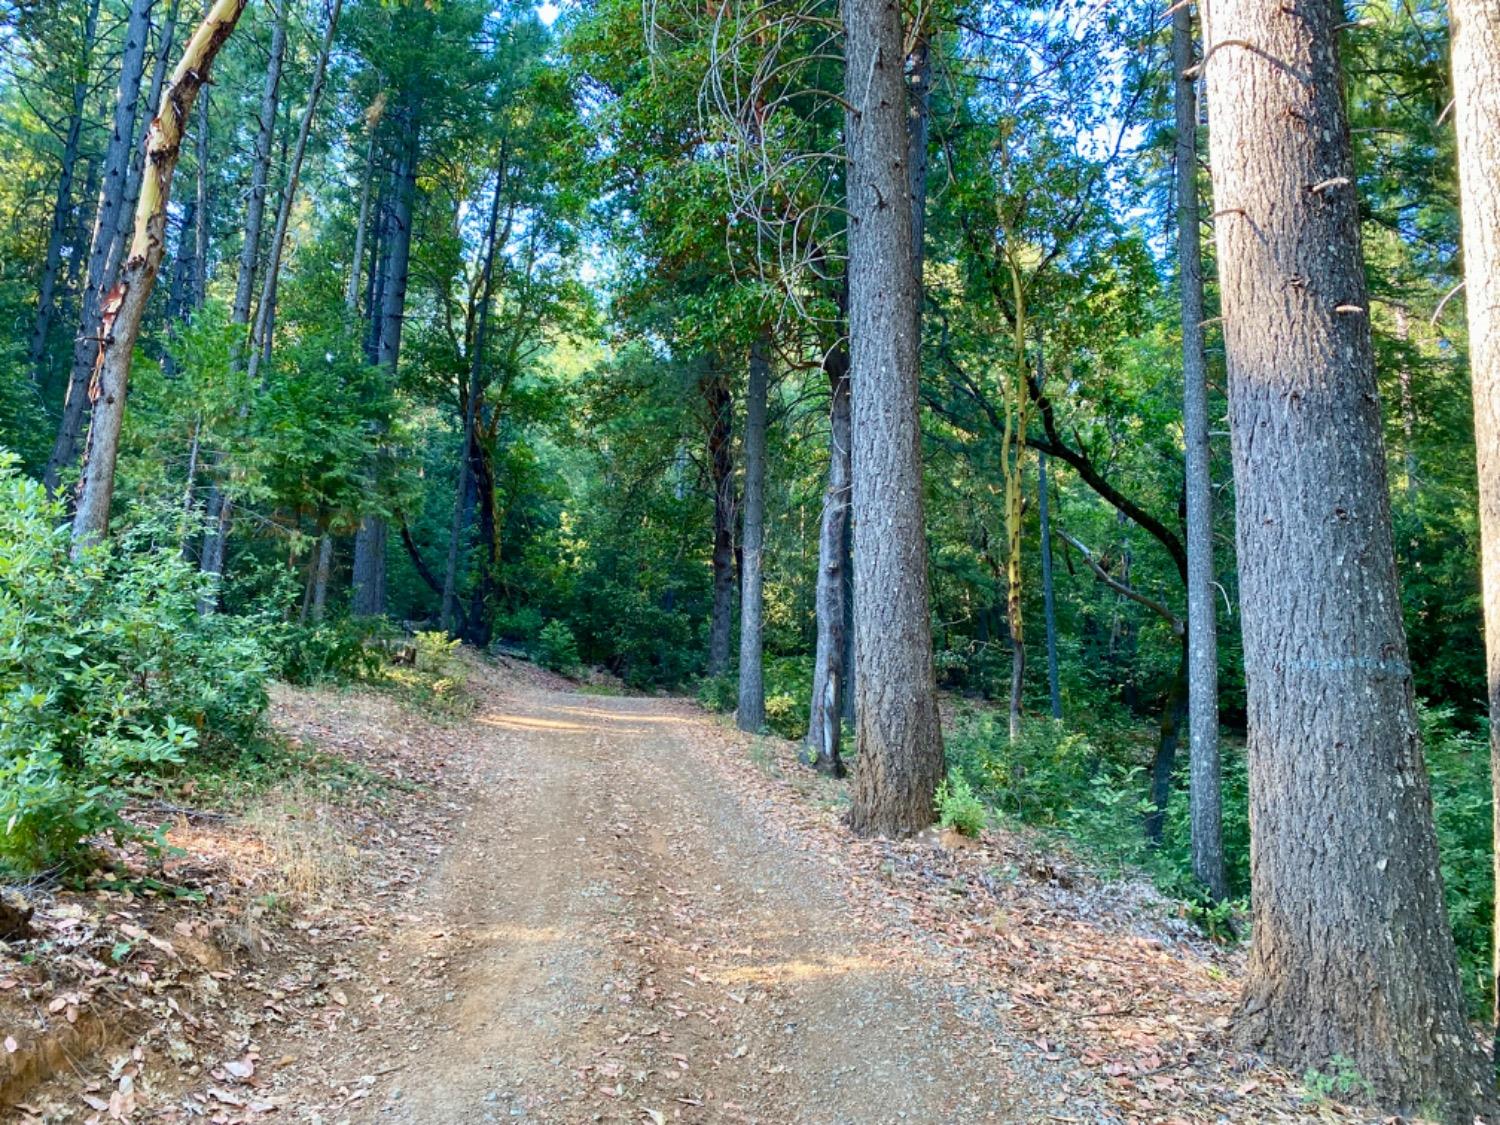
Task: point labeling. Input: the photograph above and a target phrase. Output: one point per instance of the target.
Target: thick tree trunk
(830, 682)
(123, 309)
(1049, 602)
(1352, 954)
(720, 405)
(900, 741)
(1202, 637)
(1476, 104)
(116, 173)
(62, 206)
(370, 541)
(751, 713)
(477, 346)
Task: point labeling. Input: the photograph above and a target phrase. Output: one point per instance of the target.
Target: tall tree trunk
(357, 259)
(919, 115)
(1351, 952)
(720, 402)
(900, 740)
(1049, 603)
(260, 171)
(1202, 635)
(471, 404)
(163, 58)
(487, 519)
(1476, 89)
(220, 504)
(265, 315)
(830, 682)
(203, 213)
(79, 235)
(320, 576)
(1168, 738)
(116, 172)
(751, 713)
(62, 205)
(123, 309)
(370, 540)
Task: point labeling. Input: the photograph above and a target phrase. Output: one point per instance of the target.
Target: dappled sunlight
(630, 716)
(793, 970)
(518, 722)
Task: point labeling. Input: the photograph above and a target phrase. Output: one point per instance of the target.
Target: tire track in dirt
(615, 936)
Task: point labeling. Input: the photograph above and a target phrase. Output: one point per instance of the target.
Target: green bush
(958, 807)
(719, 694)
(523, 624)
(557, 648)
(436, 652)
(337, 651)
(786, 715)
(108, 672)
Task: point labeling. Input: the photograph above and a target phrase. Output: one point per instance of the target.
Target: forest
(1076, 417)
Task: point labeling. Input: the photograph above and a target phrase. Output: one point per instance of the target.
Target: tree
(1476, 104)
(124, 307)
(1202, 638)
(1351, 952)
(897, 726)
(57, 230)
(750, 715)
(110, 218)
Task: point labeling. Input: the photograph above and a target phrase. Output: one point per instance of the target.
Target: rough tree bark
(1351, 952)
(715, 389)
(830, 685)
(370, 540)
(1476, 106)
(116, 171)
(125, 305)
(1202, 637)
(62, 205)
(751, 713)
(900, 740)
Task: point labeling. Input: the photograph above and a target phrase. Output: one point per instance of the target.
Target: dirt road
(618, 938)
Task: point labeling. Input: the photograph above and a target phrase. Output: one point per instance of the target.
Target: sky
(547, 11)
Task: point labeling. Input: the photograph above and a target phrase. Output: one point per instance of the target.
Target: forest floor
(568, 906)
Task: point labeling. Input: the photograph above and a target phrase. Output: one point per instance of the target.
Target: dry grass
(306, 854)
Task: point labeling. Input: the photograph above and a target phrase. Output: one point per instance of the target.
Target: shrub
(523, 624)
(557, 648)
(786, 716)
(958, 807)
(719, 694)
(436, 652)
(337, 651)
(108, 673)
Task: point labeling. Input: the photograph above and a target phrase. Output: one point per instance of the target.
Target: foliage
(337, 651)
(957, 805)
(109, 673)
(557, 648)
